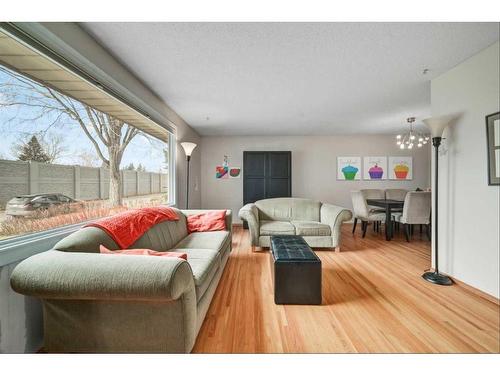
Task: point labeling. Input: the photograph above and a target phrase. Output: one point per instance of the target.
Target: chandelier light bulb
(412, 137)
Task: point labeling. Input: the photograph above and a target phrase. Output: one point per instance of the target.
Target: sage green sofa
(105, 303)
(318, 223)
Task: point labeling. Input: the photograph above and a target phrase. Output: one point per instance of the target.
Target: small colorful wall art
(348, 168)
(234, 172)
(400, 167)
(221, 172)
(224, 171)
(375, 168)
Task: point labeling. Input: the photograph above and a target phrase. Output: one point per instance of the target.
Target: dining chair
(416, 210)
(396, 194)
(374, 194)
(363, 213)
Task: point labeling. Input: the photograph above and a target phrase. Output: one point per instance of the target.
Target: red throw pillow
(207, 221)
(104, 250)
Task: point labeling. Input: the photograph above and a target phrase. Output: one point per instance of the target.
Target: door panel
(278, 187)
(279, 164)
(255, 164)
(266, 174)
(255, 189)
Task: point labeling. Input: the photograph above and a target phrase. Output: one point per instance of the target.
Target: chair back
(417, 207)
(359, 204)
(396, 194)
(373, 193)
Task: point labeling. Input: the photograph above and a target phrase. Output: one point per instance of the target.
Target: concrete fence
(84, 183)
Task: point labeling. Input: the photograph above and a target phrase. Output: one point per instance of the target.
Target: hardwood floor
(374, 301)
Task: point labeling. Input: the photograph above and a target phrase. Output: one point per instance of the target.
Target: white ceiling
(293, 78)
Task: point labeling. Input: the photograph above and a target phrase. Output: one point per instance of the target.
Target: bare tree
(88, 159)
(54, 147)
(108, 135)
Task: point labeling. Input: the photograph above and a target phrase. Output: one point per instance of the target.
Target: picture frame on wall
(349, 168)
(375, 168)
(493, 141)
(400, 168)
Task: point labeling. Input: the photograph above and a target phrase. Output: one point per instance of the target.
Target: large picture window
(63, 161)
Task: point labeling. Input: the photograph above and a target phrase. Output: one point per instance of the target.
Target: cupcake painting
(400, 168)
(348, 168)
(374, 168)
(401, 171)
(349, 172)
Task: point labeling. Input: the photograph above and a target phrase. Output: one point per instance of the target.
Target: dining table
(389, 205)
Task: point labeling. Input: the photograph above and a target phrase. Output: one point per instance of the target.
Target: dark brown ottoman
(297, 271)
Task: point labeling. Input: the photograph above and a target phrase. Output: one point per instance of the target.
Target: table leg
(388, 223)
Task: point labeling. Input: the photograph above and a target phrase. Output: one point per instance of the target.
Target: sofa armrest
(250, 213)
(90, 276)
(334, 216)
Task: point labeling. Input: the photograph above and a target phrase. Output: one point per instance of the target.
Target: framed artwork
(349, 168)
(400, 167)
(493, 138)
(375, 168)
(221, 172)
(234, 172)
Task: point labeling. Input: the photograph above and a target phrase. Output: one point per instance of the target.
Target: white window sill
(21, 247)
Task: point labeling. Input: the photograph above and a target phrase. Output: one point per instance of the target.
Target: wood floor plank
(374, 301)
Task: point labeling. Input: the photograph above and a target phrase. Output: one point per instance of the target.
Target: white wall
(468, 207)
(314, 160)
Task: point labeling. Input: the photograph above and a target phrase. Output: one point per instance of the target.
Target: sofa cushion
(311, 228)
(269, 228)
(288, 209)
(204, 264)
(205, 240)
(207, 222)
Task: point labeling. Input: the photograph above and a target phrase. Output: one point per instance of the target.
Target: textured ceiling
(293, 78)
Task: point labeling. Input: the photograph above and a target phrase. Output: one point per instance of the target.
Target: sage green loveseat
(318, 223)
(105, 303)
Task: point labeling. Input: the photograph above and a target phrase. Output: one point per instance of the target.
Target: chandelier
(408, 140)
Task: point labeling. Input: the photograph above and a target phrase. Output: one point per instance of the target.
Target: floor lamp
(437, 126)
(188, 150)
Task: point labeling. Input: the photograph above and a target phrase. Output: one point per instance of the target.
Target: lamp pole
(188, 150)
(437, 127)
(188, 158)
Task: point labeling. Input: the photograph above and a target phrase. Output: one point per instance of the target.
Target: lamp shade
(188, 147)
(438, 124)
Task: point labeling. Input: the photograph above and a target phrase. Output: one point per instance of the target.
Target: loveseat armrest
(250, 213)
(334, 216)
(90, 276)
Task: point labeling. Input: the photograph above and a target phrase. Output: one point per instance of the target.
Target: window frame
(17, 248)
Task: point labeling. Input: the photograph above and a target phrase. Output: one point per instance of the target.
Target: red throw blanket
(125, 228)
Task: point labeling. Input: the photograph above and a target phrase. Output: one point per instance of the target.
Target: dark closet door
(266, 174)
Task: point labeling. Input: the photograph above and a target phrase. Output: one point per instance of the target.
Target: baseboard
(479, 292)
(472, 289)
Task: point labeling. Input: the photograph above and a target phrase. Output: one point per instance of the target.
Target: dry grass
(61, 215)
